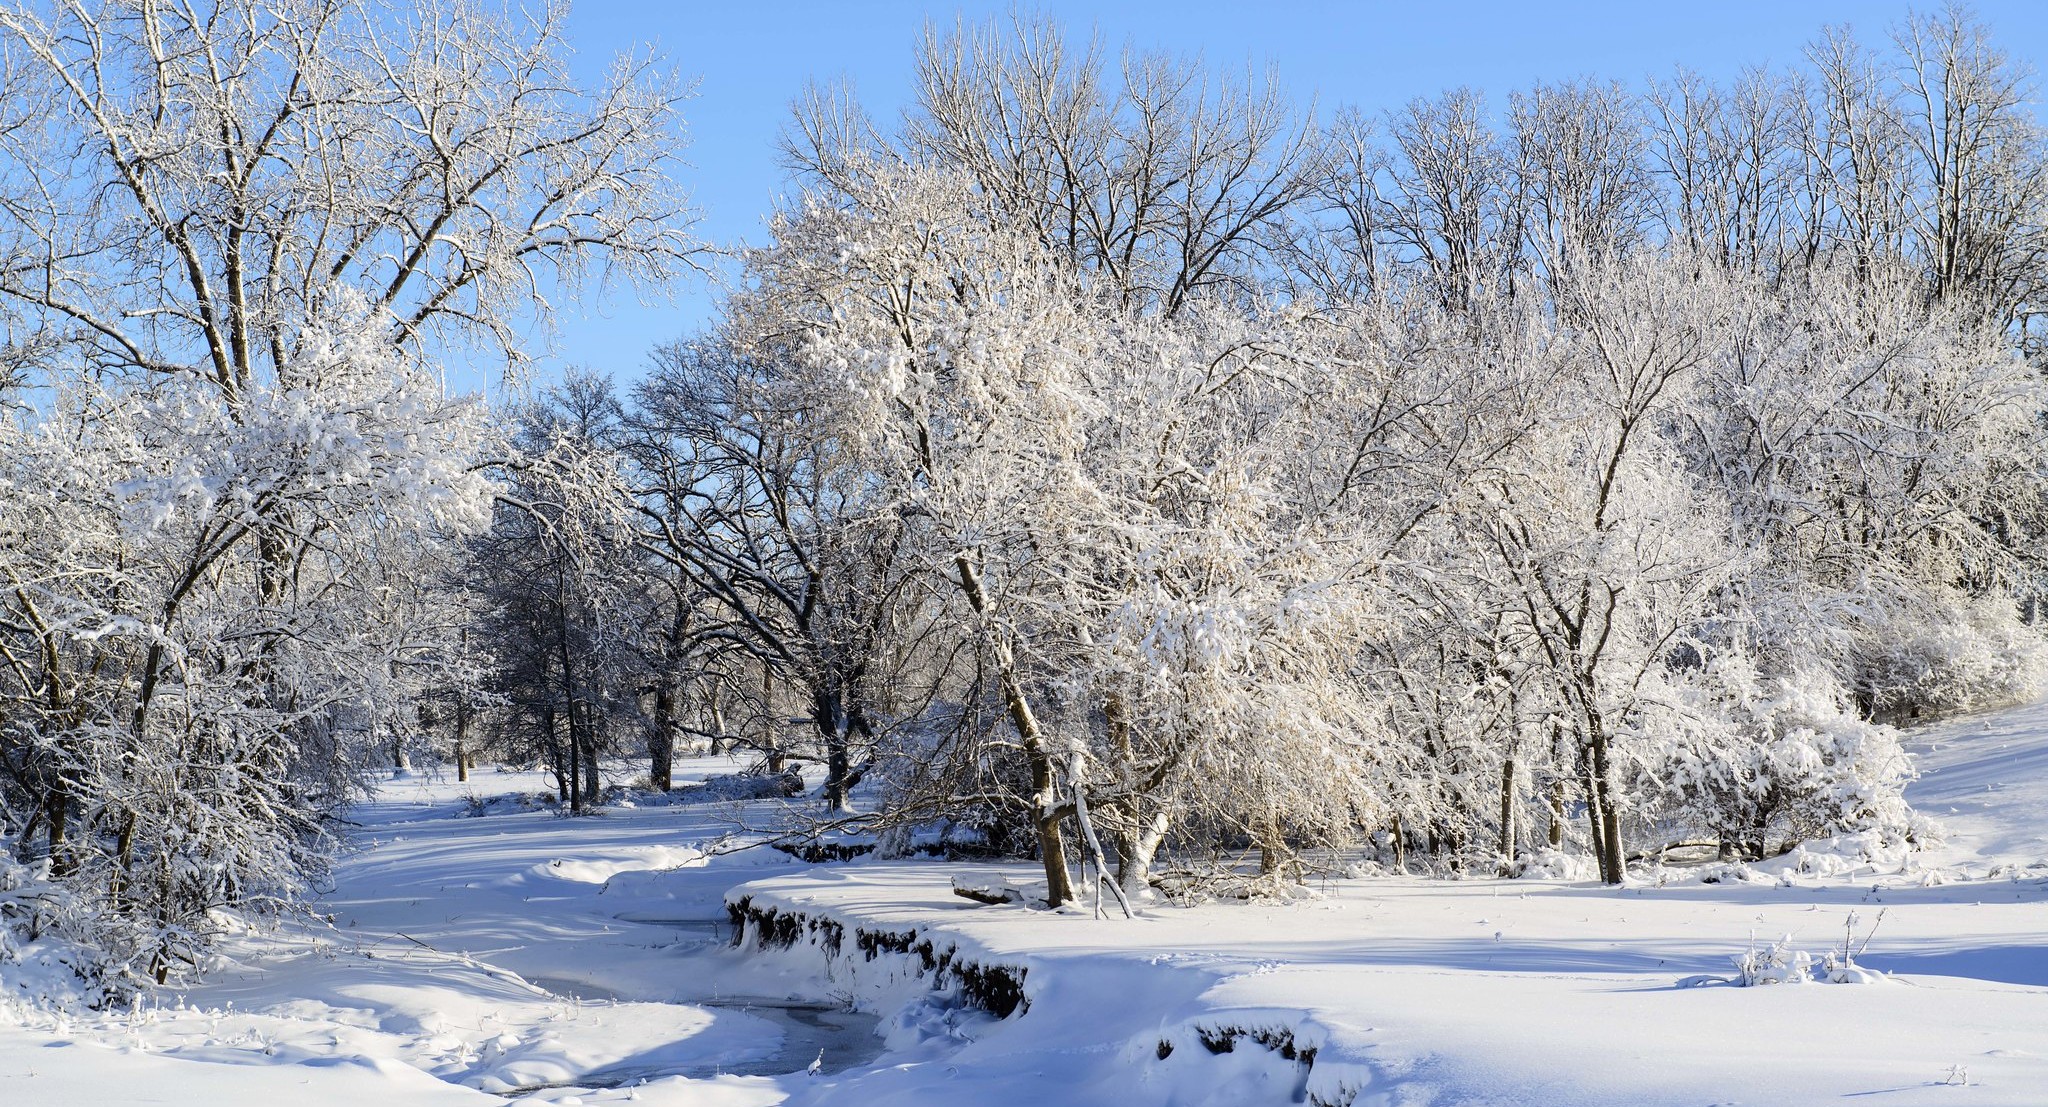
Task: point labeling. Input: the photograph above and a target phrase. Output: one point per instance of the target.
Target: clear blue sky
(750, 59)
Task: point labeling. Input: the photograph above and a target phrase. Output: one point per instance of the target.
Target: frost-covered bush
(1775, 963)
(1779, 963)
(53, 953)
(29, 903)
(1756, 761)
(1950, 654)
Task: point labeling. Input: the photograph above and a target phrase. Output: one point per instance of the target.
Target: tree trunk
(1556, 799)
(1507, 811)
(1595, 826)
(461, 740)
(592, 784)
(1134, 869)
(570, 691)
(837, 768)
(552, 747)
(575, 758)
(661, 750)
(661, 745)
(58, 805)
(827, 712)
(1273, 855)
(563, 756)
(1601, 816)
(1059, 884)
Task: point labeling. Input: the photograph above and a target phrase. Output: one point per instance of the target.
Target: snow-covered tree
(234, 237)
(196, 181)
(183, 715)
(800, 562)
(566, 596)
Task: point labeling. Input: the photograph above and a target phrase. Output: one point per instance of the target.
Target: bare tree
(1984, 158)
(1332, 247)
(800, 565)
(1579, 155)
(1859, 150)
(1729, 163)
(569, 597)
(1165, 183)
(208, 175)
(1454, 210)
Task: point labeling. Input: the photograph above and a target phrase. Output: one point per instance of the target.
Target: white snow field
(520, 956)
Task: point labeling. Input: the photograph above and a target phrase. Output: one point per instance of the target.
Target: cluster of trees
(233, 239)
(1124, 459)
(1112, 457)
(1119, 452)
(1640, 559)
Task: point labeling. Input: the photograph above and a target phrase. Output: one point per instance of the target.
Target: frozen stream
(830, 1036)
(621, 914)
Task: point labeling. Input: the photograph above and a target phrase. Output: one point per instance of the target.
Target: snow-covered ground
(469, 955)
(519, 955)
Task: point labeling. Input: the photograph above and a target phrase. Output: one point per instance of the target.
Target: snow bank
(938, 987)
(1403, 990)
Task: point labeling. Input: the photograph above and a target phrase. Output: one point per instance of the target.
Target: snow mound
(601, 870)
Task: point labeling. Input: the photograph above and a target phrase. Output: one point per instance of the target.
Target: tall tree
(209, 175)
(232, 239)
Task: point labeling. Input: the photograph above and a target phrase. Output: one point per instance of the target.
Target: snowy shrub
(1554, 864)
(1838, 964)
(53, 951)
(1776, 963)
(1755, 761)
(1864, 852)
(26, 898)
(1948, 655)
(1779, 963)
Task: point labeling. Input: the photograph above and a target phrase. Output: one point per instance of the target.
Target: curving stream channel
(832, 1037)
